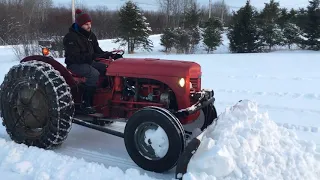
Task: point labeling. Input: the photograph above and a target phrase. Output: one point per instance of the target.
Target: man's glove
(105, 55)
(116, 56)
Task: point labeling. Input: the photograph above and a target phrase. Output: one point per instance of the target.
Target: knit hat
(82, 18)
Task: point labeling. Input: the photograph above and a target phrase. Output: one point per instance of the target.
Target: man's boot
(87, 99)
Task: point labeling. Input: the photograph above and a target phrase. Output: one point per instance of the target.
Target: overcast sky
(151, 4)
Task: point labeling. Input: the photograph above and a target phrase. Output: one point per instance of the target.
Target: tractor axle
(97, 127)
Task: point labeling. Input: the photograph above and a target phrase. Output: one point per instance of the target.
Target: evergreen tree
(195, 37)
(283, 17)
(167, 39)
(182, 40)
(191, 17)
(243, 32)
(268, 19)
(133, 28)
(293, 16)
(311, 30)
(289, 30)
(212, 35)
(301, 18)
(291, 33)
(191, 26)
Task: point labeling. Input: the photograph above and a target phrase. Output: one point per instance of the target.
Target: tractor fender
(55, 64)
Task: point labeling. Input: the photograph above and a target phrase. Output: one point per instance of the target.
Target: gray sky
(151, 4)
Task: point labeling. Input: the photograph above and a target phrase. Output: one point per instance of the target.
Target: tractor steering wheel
(116, 54)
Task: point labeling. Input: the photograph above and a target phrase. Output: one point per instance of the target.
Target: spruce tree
(311, 29)
(191, 26)
(167, 39)
(293, 15)
(291, 33)
(271, 31)
(181, 40)
(283, 17)
(212, 35)
(289, 30)
(243, 31)
(191, 17)
(133, 28)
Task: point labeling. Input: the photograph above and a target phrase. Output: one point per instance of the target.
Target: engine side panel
(153, 91)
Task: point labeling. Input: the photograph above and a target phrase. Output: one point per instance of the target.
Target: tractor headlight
(182, 82)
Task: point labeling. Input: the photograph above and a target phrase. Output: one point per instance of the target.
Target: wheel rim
(151, 141)
(30, 108)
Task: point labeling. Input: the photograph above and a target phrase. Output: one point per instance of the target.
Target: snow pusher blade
(205, 103)
(185, 157)
(189, 151)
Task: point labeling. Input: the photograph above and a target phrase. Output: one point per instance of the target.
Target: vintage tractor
(158, 100)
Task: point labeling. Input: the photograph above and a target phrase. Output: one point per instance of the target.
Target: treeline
(249, 30)
(184, 24)
(27, 20)
(272, 27)
(24, 23)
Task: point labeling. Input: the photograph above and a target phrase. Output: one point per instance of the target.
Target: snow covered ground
(283, 84)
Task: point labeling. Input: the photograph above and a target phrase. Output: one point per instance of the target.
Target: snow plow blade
(184, 159)
(205, 98)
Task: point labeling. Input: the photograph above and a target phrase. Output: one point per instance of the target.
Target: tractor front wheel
(154, 139)
(36, 105)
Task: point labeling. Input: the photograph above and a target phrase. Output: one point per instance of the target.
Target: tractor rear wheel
(36, 105)
(154, 139)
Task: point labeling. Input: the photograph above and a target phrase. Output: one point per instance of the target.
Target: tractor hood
(153, 67)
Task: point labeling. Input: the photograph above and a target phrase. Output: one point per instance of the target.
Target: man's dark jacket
(81, 47)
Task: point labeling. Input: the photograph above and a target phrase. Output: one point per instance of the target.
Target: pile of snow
(21, 162)
(246, 144)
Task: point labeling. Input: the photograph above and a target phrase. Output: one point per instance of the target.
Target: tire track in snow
(272, 107)
(318, 150)
(292, 126)
(110, 161)
(309, 96)
(296, 127)
(259, 76)
(97, 157)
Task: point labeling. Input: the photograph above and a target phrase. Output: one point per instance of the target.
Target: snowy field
(273, 135)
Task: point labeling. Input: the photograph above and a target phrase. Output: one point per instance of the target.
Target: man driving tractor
(81, 50)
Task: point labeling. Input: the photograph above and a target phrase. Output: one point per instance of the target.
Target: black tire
(52, 109)
(172, 128)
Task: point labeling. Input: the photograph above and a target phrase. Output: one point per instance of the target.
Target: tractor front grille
(195, 83)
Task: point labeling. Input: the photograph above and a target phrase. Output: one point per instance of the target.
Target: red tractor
(40, 100)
